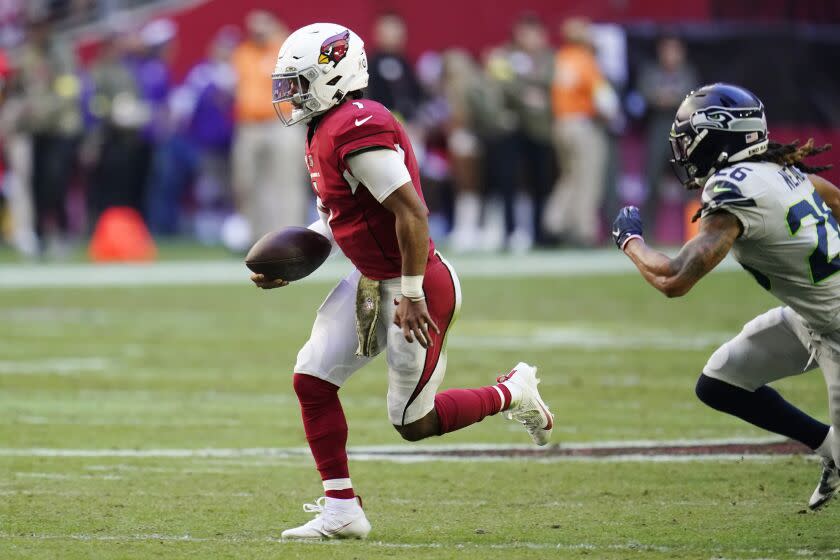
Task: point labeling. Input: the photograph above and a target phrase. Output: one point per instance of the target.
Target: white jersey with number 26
(790, 241)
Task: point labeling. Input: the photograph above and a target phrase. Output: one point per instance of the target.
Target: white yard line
(63, 476)
(430, 453)
(591, 339)
(57, 366)
(224, 272)
(630, 546)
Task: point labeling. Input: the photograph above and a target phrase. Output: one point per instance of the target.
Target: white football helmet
(316, 67)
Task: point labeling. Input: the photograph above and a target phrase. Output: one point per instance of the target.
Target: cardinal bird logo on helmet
(334, 48)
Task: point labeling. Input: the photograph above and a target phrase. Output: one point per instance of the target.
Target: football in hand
(288, 254)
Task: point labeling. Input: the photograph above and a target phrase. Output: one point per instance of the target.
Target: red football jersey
(363, 228)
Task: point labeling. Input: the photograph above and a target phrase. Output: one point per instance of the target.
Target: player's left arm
(828, 192)
(674, 277)
(412, 225)
(384, 174)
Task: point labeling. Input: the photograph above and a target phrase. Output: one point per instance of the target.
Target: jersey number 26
(821, 265)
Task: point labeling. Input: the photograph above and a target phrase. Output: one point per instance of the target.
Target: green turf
(209, 367)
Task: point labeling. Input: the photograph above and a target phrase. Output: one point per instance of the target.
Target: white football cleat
(828, 485)
(335, 520)
(530, 411)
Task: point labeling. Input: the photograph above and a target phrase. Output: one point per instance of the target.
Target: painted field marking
(630, 546)
(762, 449)
(57, 366)
(590, 339)
(224, 272)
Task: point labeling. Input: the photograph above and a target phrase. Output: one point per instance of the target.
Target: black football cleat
(829, 483)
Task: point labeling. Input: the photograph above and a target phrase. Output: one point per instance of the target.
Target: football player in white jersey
(779, 219)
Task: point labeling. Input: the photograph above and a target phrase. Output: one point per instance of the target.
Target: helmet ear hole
(334, 81)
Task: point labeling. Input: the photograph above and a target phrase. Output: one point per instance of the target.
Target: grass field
(142, 421)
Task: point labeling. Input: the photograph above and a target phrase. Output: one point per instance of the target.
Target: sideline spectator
(269, 175)
(460, 83)
(53, 117)
(171, 168)
(5, 229)
(204, 109)
(610, 43)
(530, 96)
(523, 70)
(12, 22)
(392, 81)
(580, 96)
(430, 127)
(663, 86)
(116, 146)
(17, 150)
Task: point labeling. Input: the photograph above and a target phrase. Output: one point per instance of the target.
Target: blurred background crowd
(528, 137)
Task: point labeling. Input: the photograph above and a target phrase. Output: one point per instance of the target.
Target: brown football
(289, 254)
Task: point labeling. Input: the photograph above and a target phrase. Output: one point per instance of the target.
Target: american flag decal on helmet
(334, 48)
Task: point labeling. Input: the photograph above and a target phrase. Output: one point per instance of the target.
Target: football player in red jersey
(401, 298)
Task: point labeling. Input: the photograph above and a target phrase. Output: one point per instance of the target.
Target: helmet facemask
(291, 96)
(692, 162)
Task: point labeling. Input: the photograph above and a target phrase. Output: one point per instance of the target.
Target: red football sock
(326, 432)
(458, 408)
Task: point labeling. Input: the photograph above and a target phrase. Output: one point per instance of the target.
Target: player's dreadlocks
(788, 154)
(794, 154)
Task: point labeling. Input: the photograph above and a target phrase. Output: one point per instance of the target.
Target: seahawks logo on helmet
(740, 120)
(712, 118)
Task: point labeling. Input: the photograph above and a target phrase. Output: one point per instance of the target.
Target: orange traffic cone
(121, 235)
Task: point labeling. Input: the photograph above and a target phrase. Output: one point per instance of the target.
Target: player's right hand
(627, 226)
(262, 282)
(414, 320)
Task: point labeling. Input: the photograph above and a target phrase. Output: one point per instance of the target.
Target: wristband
(412, 287)
(630, 237)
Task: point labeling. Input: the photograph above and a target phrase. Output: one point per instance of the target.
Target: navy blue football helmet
(716, 125)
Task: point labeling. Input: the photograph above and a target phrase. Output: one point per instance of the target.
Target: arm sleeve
(381, 171)
(322, 226)
(727, 196)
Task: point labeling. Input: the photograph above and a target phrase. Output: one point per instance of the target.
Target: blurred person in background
(170, 166)
(460, 80)
(203, 107)
(116, 147)
(269, 175)
(518, 151)
(526, 67)
(663, 85)
(392, 79)
(12, 22)
(6, 225)
(51, 114)
(610, 43)
(430, 127)
(478, 225)
(17, 151)
(581, 98)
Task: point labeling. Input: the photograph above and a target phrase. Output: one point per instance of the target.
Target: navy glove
(627, 226)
